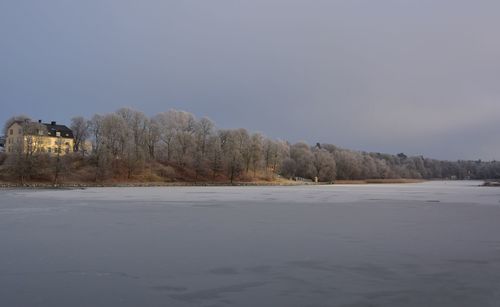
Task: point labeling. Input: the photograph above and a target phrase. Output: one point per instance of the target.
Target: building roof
(52, 129)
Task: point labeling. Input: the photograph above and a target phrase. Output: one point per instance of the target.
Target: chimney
(39, 121)
(53, 123)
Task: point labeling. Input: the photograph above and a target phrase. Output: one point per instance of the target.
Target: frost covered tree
(80, 128)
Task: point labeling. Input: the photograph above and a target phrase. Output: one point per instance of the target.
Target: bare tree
(215, 156)
(80, 128)
(166, 134)
(288, 168)
(24, 157)
(176, 130)
(203, 130)
(184, 127)
(324, 165)
(101, 155)
(303, 157)
(152, 137)
(230, 144)
(58, 161)
(134, 137)
(256, 151)
(115, 134)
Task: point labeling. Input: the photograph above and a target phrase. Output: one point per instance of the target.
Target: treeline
(176, 146)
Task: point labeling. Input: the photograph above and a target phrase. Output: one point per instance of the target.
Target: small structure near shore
(491, 184)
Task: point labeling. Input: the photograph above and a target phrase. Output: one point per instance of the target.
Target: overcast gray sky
(420, 77)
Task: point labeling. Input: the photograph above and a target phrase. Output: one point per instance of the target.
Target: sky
(420, 77)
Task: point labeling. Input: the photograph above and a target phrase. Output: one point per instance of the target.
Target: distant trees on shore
(177, 146)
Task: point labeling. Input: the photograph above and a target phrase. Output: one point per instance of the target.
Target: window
(49, 149)
(11, 132)
(58, 133)
(20, 131)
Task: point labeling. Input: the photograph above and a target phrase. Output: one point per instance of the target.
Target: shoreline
(82, 185)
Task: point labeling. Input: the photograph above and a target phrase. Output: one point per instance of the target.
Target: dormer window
(58, 133)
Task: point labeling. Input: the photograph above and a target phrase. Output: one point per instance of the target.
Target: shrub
(166, 172)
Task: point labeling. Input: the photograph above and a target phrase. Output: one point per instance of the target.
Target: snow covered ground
(426, 244)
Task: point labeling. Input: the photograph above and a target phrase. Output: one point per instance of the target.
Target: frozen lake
(427, 244)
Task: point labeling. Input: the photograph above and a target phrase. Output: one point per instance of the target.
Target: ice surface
(427, 244)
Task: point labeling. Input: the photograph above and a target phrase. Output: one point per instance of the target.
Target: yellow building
(37, 137)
